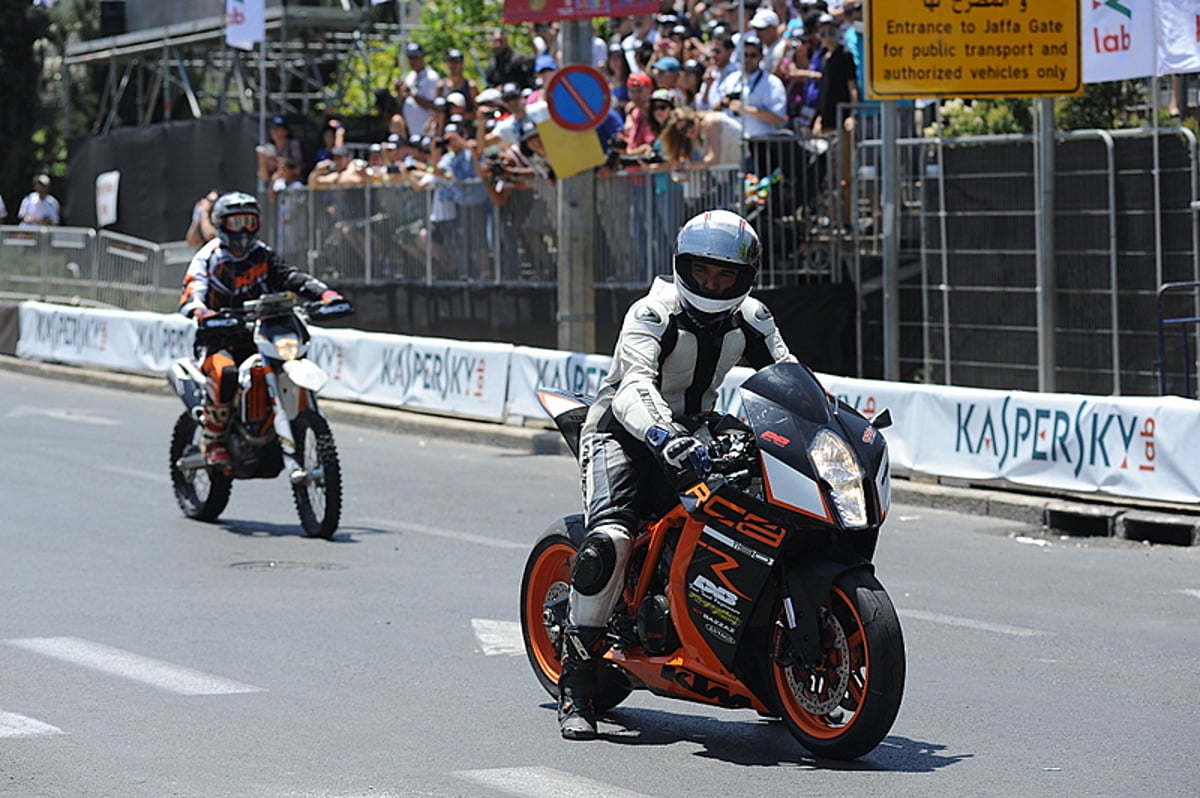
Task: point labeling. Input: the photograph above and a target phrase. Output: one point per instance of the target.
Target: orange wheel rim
(824, 701)
(549, 581)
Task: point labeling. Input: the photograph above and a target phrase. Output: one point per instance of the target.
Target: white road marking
(1191, 592)
(498, 637)
(133, 472)
(116, 662)
(970, 623)
(62, 414)
(14, 725)
(439, 532)
(543, 782)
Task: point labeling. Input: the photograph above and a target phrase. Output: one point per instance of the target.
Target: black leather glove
(686, 460)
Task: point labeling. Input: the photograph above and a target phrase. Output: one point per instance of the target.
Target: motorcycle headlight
(837, 465)
(287, 347)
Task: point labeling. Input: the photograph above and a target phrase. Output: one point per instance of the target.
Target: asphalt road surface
(144, 654)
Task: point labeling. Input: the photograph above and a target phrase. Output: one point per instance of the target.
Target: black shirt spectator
(508, 65)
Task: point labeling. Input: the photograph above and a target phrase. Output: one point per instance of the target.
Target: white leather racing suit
(665, 367)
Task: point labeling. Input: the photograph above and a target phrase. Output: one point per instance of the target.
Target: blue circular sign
(578, 97)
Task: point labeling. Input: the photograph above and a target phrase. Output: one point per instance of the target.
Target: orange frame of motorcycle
(693, 671)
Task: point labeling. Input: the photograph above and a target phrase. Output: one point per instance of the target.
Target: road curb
(1070, 515)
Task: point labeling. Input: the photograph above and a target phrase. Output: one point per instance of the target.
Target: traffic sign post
(974, 48)
(578, 97)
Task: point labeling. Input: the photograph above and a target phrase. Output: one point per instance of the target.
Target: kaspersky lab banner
(1131, 39)
(1140, 447)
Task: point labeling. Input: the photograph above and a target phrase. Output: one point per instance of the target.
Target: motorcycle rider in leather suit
(224, 273)
(675, 347)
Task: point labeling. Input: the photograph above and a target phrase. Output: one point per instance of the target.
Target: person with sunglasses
(224, 273)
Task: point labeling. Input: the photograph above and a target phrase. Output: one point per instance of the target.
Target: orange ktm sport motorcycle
(756, 589)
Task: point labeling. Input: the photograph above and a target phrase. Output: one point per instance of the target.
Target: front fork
(283, 424)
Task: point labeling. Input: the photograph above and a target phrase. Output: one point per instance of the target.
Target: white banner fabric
(1119, 40)
(1178, 36)
(108, 186)
(245, 23)
(460, 378)
(1118, 446)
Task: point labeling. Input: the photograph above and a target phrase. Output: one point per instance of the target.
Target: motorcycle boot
(212, 436)
(582, 647)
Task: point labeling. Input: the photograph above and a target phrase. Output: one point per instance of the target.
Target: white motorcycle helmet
(719, 238)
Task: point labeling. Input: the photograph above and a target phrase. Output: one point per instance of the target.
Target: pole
(577, 228)
(1047, 286)
(889, 197)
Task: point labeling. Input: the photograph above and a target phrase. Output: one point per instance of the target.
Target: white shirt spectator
(424, 84)
(38, 209)
(761, 90)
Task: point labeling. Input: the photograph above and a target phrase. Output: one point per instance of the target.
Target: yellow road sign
(973, 48)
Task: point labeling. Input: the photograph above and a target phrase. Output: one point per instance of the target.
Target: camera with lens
(730, 96)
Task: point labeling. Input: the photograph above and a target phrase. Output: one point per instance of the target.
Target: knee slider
(594, 564)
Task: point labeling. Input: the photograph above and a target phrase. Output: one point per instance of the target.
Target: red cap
(639, 79)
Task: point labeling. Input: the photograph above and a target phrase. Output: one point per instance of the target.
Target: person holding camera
(755, 95)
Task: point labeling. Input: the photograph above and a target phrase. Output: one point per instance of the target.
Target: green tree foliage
(982, 118)
(23, 121)
(1105, 106)
(443, 25)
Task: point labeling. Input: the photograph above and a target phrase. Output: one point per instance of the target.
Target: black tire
(844, 707)
(544, 590)
(319, 497)
(202, 493)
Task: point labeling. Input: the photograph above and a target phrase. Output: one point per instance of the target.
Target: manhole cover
(285, 565)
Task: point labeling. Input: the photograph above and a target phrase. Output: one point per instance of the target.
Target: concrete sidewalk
(1084, 516)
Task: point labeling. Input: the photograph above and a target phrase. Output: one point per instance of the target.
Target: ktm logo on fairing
(704, 687)
(746, 522)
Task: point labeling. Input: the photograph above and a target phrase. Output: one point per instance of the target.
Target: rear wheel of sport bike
(845, 706)
(319, 495)
(202, 492)
(545, 588)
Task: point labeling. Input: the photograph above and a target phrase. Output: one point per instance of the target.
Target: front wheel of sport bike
(844, 706)
(202, 492)
(319, 494)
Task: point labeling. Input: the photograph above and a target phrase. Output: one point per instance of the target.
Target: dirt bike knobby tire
(202, 494)
(318, 504)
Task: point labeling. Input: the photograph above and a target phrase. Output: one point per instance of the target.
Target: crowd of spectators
(688, 87)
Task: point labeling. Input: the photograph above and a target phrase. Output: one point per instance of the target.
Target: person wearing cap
(420, 88)
(39, 207)
(457, 167)
(507, 130)
(691, 77)
(456, 83)
(508, 65)
(638, 134)
(662, 103)
(544, 67)
(665, 72)
(766, 27)
(281, 146)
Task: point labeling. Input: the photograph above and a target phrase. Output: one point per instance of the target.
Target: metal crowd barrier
(379, 233)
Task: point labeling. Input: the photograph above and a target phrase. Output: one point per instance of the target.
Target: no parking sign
(578, 97)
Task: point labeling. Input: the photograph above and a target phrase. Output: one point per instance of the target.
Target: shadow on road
(762, 742)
